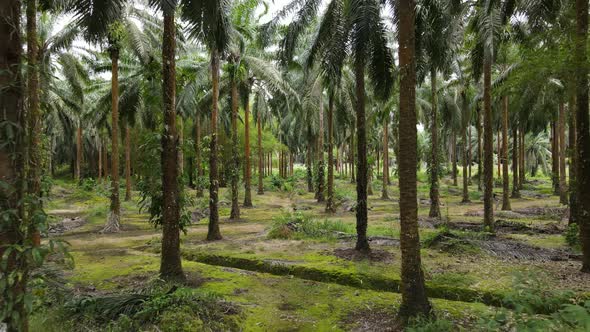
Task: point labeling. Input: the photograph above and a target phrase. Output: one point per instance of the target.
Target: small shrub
(298, 225)
(88, 184)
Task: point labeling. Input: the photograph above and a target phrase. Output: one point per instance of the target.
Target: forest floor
(289, 266)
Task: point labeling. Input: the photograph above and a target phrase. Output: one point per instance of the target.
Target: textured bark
(522, 173)
(308, 165)
(260, 157)
(384, 193)
(414, 299)
(78, 153)
(33, 122)
(583, 131)
(561, 138)
(11, 156)
(573, 155)
(488, 149)
(505, 178)
(465, 198)
(362, 244)
(479, 128)
(352, 159)
(320, 179)
(127, 163)
(515, 163)
(330, 207)
(434, 189)
(213, 232)
(180, 132)
(555, 158)
(198, 157)
(235, 172)
(499, 141)
(247, 166)
(170, 263)
(114, 216)
(100, 161)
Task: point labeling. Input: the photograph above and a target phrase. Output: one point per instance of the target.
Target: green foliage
(150, 184)
(423, 324)
(88, 184)
(298, 225)
(572, 235)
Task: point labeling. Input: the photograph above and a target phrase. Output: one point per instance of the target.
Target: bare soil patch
(372, 319)
(65, 225)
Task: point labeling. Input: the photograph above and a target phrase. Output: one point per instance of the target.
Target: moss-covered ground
(457, 256)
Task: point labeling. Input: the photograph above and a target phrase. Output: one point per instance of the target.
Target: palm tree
(209, 21)
(356, 28)
(414, 300)
(582, 131)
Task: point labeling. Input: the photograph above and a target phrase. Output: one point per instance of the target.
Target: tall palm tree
(414, 300)
(208, 20)
(582, 130)
(352, 28)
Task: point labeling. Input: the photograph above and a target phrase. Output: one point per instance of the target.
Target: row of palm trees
(351, 43)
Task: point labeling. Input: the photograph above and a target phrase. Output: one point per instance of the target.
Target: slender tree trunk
(114, 216)
(127, 163)
(479, 151)
(488, 183)
(34, 122)
(309, 164)
(198, 161)
(555, 157)
(573, 155)
(583, 131)
(515, 161)
(78, 152)
(260, 156)
(214, 232)
(469, 153)
(270, 163)
(330, 207)
(12, 164)
(414, 300)
(100, 161)
(352, 160)
(434, 189)
(561, 132)
(454, 158)
(384, 193)
(505, 175)
(499, 141)
(170, 264)
(465, 171)
(320, 180)
(105, 161)
(235, 174)
(362, 244)
(522, 173)
(248, 167)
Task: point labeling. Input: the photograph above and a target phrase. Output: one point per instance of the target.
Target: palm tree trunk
(78, 152)
(308, 163)
(235, 174)
(465, 171)
(555, 157)
(99, 161)
(515, 162)
(247, 167)
(434, 190)
(499, 141)
(270, 163)
(170, 264)
(583, 131)
(362, 244)
(114, 216)
(384, 193)
(573, 155)
(330, 208)
(561, 132)
(320, 179)
(505, 179)
(198, 161)
(469, 153)
(105, 161)
(213, 231)
(479, 128)
(127, 163)
(260, 156)
(352, 161)
(413, 289)
(454, 158)
(34, 121)
(522, 173)
(11, 166)
(180, 131)
(488, 141)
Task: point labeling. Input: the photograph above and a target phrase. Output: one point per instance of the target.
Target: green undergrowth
(297, 225)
